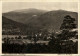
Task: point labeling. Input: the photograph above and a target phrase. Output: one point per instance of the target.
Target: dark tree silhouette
(67, 26)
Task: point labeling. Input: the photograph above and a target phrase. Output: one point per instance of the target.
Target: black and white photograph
(39, 27)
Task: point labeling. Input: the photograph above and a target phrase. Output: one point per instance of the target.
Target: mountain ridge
(44, 20)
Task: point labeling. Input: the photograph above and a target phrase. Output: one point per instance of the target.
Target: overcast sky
(10, 6)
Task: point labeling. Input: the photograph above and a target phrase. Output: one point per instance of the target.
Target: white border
(41, 1)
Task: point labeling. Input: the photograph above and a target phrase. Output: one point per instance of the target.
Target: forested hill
(8, 24)
(36, 19)
(54, 19)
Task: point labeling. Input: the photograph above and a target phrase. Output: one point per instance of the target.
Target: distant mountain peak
(61, 10)
(28, 10)
(35, 17)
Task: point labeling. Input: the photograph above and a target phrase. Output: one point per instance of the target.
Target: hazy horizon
(12, 6)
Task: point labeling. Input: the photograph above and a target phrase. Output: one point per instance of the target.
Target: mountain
(40, 19)
(54, 19)
(12, 27)
(23, 15)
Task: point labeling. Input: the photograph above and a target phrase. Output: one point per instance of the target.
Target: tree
(67, 26)
(19, 37)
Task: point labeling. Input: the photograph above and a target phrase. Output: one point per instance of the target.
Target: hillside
(12, 27)
(54, 19)
(40, 19)
(24, 15)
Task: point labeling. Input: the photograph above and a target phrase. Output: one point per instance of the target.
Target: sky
(11, 6)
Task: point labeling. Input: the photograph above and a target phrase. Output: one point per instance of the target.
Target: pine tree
(66, 27)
